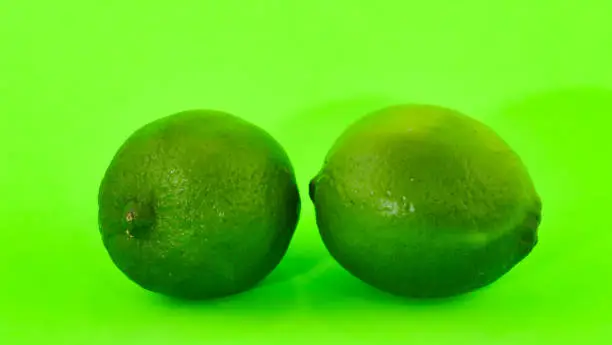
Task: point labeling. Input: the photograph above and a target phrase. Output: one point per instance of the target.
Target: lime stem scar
(138, 219)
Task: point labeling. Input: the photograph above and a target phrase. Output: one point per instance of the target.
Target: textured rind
(424, 202)
(224, 199)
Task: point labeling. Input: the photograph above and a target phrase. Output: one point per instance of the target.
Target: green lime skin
(198, 205)
(422, 201)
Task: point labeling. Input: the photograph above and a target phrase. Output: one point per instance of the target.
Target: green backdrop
(77, 77)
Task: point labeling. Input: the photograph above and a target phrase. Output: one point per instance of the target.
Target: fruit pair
(416, 200)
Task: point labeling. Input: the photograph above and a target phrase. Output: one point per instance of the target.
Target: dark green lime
(422, 201)
(200, 204)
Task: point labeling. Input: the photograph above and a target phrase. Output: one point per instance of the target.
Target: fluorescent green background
(77, 77)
